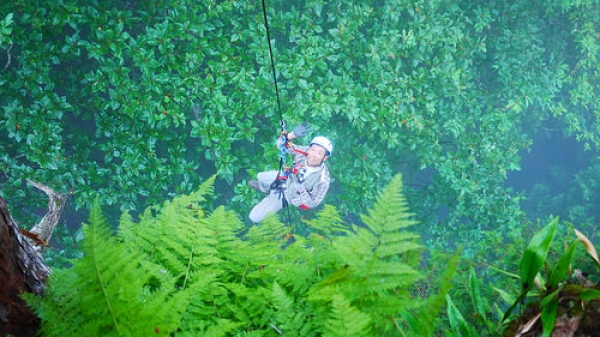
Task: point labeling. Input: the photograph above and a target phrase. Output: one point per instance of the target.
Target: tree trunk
(22, 267)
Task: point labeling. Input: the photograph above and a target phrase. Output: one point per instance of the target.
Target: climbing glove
(302, 129)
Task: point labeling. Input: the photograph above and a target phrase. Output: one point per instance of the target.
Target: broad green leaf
(549, 317)
(457, 321)
(550, 297)
(509, 274)
(562, 267)
(508, 298)
(533, 259)
(535, 254)
(590, 294)
(518, 300)
(475, 287)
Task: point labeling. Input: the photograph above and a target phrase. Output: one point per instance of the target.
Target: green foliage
(478, 303)
(110, 291)
(482, 317)
(557, 288)
(558, 273)
(550, 285)
(6, 29)
(134, 103)
(327, 223)
(66, 248)
(379, 260)
(458, 322)
(346, 320)
(183, 271)
(535, 254)
(534, 258)
(422, 322)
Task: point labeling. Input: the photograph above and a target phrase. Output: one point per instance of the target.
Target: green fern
(59, 309)
(376, 272)
(108, 292)
(157, 224)
(328, 222)
(184, 240)
(203, 252)
(345, 320)
(253, 333)
(183, 271)
(290, 316)
(266, 251)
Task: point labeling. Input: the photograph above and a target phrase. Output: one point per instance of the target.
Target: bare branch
(56, 205)
(8, 56)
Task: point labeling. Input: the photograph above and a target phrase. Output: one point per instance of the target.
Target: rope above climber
(304, 185)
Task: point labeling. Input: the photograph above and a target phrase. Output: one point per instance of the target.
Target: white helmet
(324, 143)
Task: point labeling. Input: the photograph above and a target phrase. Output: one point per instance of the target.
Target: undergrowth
(183, 271)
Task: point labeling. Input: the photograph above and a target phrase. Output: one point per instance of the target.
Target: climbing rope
(279, 184)
(273, 66)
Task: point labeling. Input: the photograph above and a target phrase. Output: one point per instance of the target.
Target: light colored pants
(272, 203)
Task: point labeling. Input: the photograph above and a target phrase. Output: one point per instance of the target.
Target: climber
(304, 185)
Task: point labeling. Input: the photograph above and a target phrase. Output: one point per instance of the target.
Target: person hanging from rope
(304, 185)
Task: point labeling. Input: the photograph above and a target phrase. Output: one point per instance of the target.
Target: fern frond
(193, 201)
(219, 328)
(226, 227)
(60, 315)
(346, 320)
(107, 291)
(265, 247)
(184, 239)
(291, 316)
(328, 222)
(284, 310)
(377, 262)
(253, 333)
(207, 304)
(269, 231)
(157, 222)
(183, 271)
(390, 211)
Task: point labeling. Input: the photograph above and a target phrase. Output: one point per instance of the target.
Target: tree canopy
(134, 101)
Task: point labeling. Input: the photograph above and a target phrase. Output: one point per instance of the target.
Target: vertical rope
(273, 66)
(282, 160)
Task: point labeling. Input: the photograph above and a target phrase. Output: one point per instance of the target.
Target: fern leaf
(378, 262)
(58, 308)
(183, 271)
(390, 212)
(284, 310)
(254, 333)
(107, 291)
(221, 328)
(265, 250)
(185, 239)
(346, 320)
(328, 222)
